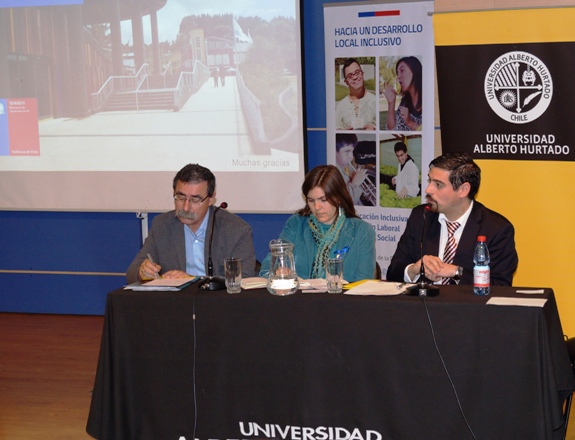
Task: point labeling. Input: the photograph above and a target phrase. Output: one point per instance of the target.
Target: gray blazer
(166, 244)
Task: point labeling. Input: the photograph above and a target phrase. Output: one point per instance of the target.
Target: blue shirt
(195, 244)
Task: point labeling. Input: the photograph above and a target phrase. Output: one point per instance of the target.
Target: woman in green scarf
(326, 227)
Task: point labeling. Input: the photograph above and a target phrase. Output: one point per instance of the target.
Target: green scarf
(324, 240)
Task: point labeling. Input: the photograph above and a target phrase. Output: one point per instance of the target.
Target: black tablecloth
(316, 366)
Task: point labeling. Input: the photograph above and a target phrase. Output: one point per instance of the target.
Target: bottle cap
(481, 238)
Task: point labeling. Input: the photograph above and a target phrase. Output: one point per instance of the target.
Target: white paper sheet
(374, 287)
(531, 291)
(162, 284)
(254, 283)
(504, 301)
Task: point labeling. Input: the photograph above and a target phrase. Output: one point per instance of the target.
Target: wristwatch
(458, 273)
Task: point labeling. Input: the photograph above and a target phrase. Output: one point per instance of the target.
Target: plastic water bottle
(481, 272)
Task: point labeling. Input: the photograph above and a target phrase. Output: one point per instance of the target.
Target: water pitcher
(282, 279)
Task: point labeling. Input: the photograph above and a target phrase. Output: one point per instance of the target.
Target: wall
(54, 262)
(57, 262)
(540, 209)
(62, 262)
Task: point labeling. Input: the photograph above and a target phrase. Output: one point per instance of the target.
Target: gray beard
(186, 215)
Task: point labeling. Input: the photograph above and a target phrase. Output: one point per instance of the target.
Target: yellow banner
(536, 196)
(506, 26)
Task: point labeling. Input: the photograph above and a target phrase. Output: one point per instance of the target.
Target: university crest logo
(518, 87)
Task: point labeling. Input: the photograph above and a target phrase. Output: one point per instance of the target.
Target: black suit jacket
(482, 221)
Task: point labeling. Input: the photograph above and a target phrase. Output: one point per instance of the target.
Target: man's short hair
(400, 146)
(345, 139)
(194, 173)
(348, 62)
(461, 169)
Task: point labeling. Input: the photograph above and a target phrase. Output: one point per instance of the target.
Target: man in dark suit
(179, 240)
(454, 180)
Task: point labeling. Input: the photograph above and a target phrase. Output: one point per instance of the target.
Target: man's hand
(359, 177)
(402, 194)
(176, 274)
(435, 269)
(149, 271)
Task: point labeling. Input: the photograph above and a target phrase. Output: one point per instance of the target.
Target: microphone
(211, 282)
(422, 288)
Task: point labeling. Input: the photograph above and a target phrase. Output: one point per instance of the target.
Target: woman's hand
(406, 116)
(389, 93)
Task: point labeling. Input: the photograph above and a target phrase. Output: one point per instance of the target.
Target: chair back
(567, 407)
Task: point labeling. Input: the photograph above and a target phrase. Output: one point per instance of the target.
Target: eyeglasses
(354, 75)
(196, 200)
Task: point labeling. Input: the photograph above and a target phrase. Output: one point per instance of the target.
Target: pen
(154, 263)
(399, 286)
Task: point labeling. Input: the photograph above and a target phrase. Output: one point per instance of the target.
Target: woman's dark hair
(328, 178)
(416, 69)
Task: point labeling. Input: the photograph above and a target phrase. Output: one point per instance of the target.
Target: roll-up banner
(380, 109)
(505, 91)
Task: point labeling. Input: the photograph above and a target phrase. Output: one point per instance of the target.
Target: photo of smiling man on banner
(355, 107)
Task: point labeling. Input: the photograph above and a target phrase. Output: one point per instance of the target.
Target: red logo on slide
(22, 126)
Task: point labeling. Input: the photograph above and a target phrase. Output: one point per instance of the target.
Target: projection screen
(102, 102)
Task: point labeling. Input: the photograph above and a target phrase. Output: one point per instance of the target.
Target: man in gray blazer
(179, 240)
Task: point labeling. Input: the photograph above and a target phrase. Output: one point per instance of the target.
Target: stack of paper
(163, 284)
(374, 287)
(313, 285)
(505, 301)
(254, 283)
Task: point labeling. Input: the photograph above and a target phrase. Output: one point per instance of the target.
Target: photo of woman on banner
(400, 175)
(355, 100)
(407, 82)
